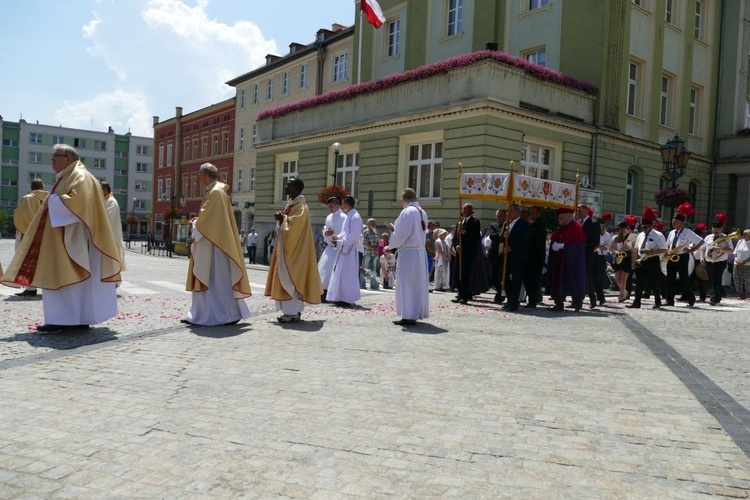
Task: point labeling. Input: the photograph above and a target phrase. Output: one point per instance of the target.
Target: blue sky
(98, 63)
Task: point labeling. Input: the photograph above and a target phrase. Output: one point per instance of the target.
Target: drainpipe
(592, 166)
(714, 164)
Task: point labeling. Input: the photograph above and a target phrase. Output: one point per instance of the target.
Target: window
(239, 180)
(269, 89)
(160, 188)
(100, 145)
(10, 142)
(242, 139)
(630, 181)
(223, 176)
(215, 149)
(186, 151)
(639, 3)
(285, 83)
(205, 147)
(694, 116)
(536, 161)
(35, 138)
(140, 185)
(9, 183)
(34, 176)
(394, 37)
(194, 186)
(161, 156)
(169, 154)
(35, 157)
(346, 171)
(8, 203)
(185, 184)
(139, 204)
(225, 139)
(664, 103)
(340, 70)
(303, 76)
(669, 13)
(699, 19)
(251, 186)
(141, 149)
(538, 4)
(121, 154)
(141, 167)
(255, 134)
(58, 139)
(79, 143)
(288, 170)
(633, 85)
(195, 149)
(100, 163)
(255, 94)
(455, 17)
(242, 99)
(168, 186)
(538, 57)
(425, 165)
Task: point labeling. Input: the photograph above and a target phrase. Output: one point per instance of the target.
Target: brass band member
(649, 244)
(681, 242)
(714, 254)
(623, 248)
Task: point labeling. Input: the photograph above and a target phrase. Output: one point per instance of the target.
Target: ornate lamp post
(675, 157)
(336, 147)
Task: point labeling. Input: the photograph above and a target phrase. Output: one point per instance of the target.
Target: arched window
(630, 187)
(693, 192)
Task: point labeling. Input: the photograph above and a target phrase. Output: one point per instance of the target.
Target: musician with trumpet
(649, 244)
(681, 242)
(715, 254)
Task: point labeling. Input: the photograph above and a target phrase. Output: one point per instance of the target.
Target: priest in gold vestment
(293, 277)
(217, 276)
(27, 208)
(69, 251)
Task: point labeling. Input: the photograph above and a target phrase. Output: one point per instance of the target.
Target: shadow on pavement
(64, 340)
(302, 326)
(422, 329)
(219, 332)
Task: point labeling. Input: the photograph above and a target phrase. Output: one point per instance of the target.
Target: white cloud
(90, 28)
(120, 110)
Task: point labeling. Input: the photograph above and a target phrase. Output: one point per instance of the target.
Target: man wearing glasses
(69, 251)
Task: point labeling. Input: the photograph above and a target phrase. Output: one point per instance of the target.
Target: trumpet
(714, 252)
(674, 254)
(643, 259)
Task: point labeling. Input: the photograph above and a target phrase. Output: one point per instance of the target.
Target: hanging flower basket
(332, 191)
(171, 213)
(671, 197)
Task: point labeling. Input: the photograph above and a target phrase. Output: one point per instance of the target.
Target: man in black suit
(537, 256)
(496, 254)
(470, 237)
(592, 232)
(517, 253)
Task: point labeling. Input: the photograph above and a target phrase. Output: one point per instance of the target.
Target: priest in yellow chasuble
(113, 214)
(27, 208)
(216, 274)
(293, 277)
(69, 251)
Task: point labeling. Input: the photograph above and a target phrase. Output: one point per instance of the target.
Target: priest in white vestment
(334, 223)
(344, 285)
(69, 251)
(115, 222)
(217, 276)
(412, 284)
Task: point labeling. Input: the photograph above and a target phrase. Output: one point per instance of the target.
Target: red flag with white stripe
(373, 12)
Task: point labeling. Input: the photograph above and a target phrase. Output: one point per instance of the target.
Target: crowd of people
(69, 244)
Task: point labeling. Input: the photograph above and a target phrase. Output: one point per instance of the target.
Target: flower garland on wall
(535, 70)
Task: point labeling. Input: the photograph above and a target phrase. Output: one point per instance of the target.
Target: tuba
(714, 252)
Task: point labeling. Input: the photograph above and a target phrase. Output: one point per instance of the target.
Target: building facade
(181, 145)
(123, 160)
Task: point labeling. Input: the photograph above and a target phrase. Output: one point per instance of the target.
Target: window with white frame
(239, 180)
(537, 4)
(285, 83)
(168, 186)
(630, 182)
(251, 184)
(242, 98)
(35, 157)
(536, 161)
(161, 156)
(225, 139)
(195, 149)
(303, 76)
(205, 147)
(425, 169)
(186, 151)
(7, 203)
(255, 134)
(241, 142)
(455, 17)
(58, 139)
(140, 185)
(694, 117)
(169, 154)
(215, 150)
(139, 204)
(10, 142)
(393, 38)
(634, 75)
(269, 89)
(100, 145)
(664, 101)
(160, 188)
(79, 143)
(34, 176)
(699, 19)
(121, 154)
(340, 67)
(538, 56)
(10, 182)
(346, 171)
(288, 170)
(141, 167)
(194, 193)
(223, 176)
(141, 149)
(100, 163)
(35, 138)
(254, 99)
(669, 13)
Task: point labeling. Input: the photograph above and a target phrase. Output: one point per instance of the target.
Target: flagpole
(359, 51)
(507, 225)
(460, 225)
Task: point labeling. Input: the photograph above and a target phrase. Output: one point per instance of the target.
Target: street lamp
(336, 150)
(675, 157)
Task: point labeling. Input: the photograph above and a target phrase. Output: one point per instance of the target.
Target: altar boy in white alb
(334, 223)
(344, 285)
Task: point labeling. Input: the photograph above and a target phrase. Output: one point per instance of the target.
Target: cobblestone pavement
(474, 402)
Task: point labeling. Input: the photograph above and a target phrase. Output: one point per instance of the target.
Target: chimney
(178, 111)
(156, 120)
(337, 27)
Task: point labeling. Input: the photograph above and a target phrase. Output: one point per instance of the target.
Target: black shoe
(634, 305)
(60, 328)
(345, 305)
(511, 309)
(558, 307)
(323, 297)
(405, 322)
(499, 299)
(530, 305)
(26, 293)
(670, 303)
(656, 306)
(691, 303)
(231, 323)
